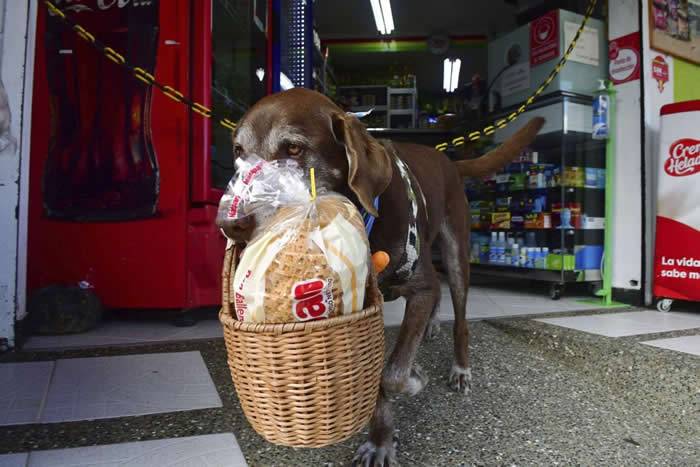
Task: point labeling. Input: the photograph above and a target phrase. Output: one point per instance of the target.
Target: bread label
(312, 299)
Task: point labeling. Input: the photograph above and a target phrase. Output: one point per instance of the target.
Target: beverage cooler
(124, 182)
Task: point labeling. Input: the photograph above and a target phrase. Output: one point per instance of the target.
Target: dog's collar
(368, 218)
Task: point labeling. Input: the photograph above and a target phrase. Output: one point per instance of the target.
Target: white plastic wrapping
(308, 259)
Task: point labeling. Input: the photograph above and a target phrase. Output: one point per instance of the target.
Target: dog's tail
(496, 159)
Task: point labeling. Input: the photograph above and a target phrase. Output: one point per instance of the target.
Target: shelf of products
(392, 107)
(543, 216)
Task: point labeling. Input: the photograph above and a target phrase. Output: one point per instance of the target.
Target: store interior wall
(17, 20)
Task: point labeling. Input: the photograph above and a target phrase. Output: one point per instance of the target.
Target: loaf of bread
(309, 261)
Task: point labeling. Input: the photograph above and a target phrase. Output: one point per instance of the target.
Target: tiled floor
(629, 323)
(104, 387)
(113, 333)
(491, 302)
(108, 387)
(484, 302)
(14, 460)
(24, 387)
(220, 450)
(686, 344)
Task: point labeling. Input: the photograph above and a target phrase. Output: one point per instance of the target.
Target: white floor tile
(489, 302)
(628, 323)
(199, 451)
(23, 391)
(14, 460)
(116, 333)
(108, 387)
(685, 344)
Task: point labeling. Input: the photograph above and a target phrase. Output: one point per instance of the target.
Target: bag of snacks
(308, 257)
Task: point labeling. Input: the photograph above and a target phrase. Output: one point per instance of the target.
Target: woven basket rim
(282, 328)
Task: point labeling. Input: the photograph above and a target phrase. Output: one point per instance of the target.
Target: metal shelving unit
(563, 143)
(396, 106)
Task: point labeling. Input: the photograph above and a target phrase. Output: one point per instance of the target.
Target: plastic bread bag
(308, 258)
(259, 188)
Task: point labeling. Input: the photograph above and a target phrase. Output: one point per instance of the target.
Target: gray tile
(117, 333)
(628, 323)
(24, 387)
(219, 450)
(685, 344)
(108, 387)
(491, 303)
(14, 460)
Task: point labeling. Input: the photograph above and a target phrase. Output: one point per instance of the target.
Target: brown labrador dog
(421, 201)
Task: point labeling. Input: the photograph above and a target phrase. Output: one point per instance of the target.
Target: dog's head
(308, 127)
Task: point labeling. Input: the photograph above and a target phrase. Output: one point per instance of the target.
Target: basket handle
(230, 262)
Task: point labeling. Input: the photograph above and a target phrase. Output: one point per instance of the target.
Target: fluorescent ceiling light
(285, 82)
(383, 17)
(446, 74)
(450, 74)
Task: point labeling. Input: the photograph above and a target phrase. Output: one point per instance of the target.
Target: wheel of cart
(664, 304)
(555, 290)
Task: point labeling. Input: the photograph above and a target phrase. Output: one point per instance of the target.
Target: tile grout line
(45, 398)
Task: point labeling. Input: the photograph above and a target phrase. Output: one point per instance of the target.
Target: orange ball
(380, 260)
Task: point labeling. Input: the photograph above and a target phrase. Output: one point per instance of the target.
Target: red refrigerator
(124, 182)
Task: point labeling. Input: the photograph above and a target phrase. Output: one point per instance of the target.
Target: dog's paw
(461, 379)
(433, 330)
(371, 455)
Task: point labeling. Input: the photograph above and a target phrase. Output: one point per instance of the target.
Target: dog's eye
(238, 150)
(294, 150)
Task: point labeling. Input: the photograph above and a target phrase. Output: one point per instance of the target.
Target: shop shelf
(565, 141)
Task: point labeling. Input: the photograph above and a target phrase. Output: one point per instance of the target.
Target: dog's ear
(369, 166)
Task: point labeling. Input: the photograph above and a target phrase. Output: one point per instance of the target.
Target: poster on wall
(675, 28)
(677, 255)
(544, 38)
(587, 49)
(624, 59)
(660, 72)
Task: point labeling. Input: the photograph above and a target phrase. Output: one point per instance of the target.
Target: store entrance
(538, 225)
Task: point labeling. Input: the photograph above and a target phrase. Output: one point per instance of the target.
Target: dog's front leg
(379, 450)
(400, 376)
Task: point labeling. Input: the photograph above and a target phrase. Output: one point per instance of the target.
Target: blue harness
(369, 218)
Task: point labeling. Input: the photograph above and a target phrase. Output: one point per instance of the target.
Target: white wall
(627, 217)
(18, 23)
(654, 99)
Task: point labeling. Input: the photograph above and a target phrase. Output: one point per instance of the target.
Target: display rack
(392, 107)
(561, 177)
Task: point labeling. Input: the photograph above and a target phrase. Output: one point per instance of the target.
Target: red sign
(625, 59)
(659, 71)
(544, 38)
(677, 258)
(683, 158)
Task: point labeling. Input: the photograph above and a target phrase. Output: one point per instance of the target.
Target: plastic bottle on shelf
(545, 254)
(501, 248)
(523, 257)
(539, 264)
(508, 254)
(493, 248)
(515, 255)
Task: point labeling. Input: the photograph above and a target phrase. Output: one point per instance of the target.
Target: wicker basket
(305, 384)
